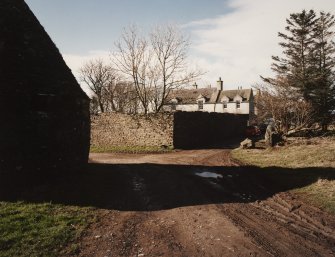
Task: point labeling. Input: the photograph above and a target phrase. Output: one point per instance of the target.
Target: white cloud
(75, 62)
(238, 46)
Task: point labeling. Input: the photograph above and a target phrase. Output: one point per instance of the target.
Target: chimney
(195, 85)
(219, 84)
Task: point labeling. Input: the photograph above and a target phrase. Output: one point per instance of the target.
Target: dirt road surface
(196, 203)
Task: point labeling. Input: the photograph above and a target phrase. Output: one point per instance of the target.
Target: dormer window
(224, 104)
(200, 105)
(238, 104)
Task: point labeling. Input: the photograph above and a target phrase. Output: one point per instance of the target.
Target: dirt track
(199, 203)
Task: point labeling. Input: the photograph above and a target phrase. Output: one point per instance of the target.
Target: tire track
(281, 230)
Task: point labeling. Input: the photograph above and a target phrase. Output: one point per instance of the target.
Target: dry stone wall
(116, 129)
(194, 130)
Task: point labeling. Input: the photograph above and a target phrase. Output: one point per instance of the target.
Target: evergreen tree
(308, 63)
(323, 93)
(297, 65)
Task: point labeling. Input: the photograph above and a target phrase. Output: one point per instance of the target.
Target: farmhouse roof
(244, 93)
(187, 96)
(212, 95)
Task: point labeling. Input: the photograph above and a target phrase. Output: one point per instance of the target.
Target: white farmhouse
(239, 101)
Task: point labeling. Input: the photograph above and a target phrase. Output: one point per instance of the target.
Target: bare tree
(99, 77)
(125, 98)
(133, 58)
(94, 106)
(170, 72)
(156, 65)
(285, 106)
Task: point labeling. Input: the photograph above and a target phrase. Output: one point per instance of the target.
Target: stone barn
(45, 123)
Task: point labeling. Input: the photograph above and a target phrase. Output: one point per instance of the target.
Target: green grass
(130, 149)
(40, 229)
(321, 194)
(302, 154)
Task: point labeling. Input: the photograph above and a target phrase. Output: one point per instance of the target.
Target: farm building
(45, 114)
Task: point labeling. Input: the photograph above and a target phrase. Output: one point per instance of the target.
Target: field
(315, 156)
(210, 202)
(28, 229)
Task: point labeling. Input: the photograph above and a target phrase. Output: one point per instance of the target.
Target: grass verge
(320, 193)
(130, 149)
(40, 229)
(302, 154)
(298, 153)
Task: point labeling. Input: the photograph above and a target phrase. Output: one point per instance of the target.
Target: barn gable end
(45, 113)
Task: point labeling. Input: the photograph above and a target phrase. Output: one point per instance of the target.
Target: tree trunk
(102, 109)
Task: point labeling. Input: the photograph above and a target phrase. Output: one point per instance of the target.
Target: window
(238, 104)
(200, 105)
(224, 105)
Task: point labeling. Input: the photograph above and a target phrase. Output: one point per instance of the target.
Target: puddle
(207, 174)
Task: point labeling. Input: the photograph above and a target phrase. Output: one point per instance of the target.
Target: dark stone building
(45, 123)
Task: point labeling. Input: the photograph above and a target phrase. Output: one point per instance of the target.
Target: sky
(231, 39)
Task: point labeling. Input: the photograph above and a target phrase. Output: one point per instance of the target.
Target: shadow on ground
(228, 143)
(143, 187)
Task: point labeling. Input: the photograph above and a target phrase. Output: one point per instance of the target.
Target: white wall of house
(208, 108)
(244, 107)
(187, 107)
(231, 108)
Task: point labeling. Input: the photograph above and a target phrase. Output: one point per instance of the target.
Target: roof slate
(187, 96)
(244, 93)
(212, 95)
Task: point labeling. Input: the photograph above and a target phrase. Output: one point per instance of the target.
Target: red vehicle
(252, 131)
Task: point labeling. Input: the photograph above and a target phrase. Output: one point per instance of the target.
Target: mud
(160, 206)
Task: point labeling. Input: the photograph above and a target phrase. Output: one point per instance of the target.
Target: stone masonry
(116, 129)
(182, 130)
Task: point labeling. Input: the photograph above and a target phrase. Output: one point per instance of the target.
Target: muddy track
(205, 206)
(280, 231)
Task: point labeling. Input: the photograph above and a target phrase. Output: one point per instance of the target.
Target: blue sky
(232, 39)
(77, 26)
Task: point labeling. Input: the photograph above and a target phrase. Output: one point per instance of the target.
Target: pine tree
(323, 92)
(297, 65)
(308, 62)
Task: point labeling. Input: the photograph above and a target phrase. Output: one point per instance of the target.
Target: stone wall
(183, 130)
(116, 129)
(194, 130)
